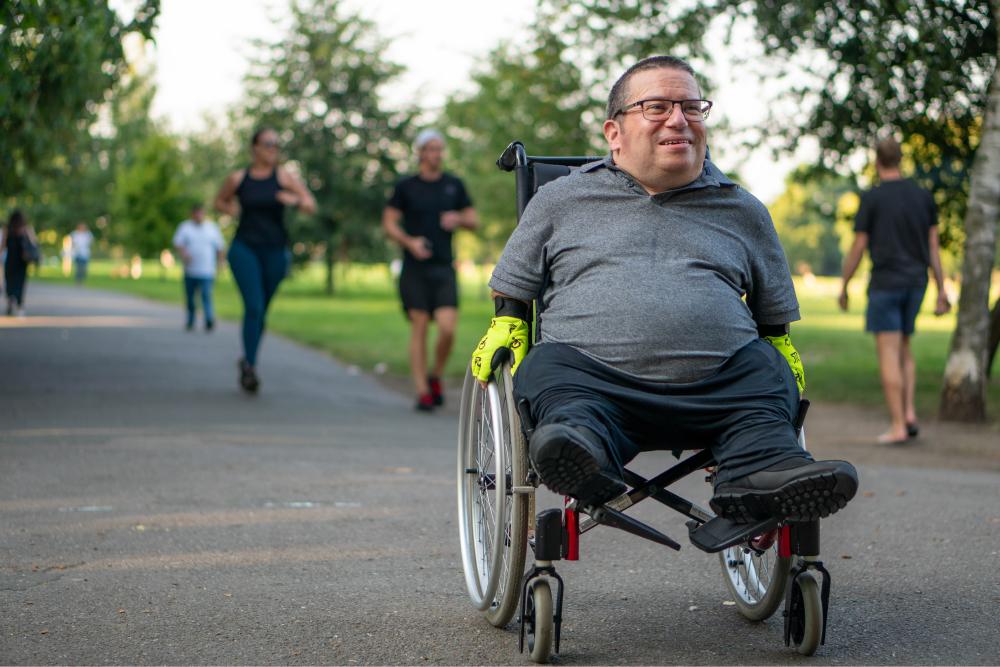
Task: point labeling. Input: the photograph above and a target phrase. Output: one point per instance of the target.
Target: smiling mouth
(675, 142)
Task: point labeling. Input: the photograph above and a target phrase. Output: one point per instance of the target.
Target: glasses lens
(659, 110)
(695, 109)
(656, 109)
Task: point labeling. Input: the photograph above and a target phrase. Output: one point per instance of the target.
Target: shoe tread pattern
(568, 469)
(806, 499)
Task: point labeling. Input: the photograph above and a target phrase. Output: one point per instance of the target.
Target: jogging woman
(258, 255)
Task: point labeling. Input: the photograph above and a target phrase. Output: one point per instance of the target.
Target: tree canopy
(319, 88)
(61, 57)
(534, 94)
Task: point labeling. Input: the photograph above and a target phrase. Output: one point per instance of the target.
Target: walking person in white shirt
(81, 239)
(201, 247)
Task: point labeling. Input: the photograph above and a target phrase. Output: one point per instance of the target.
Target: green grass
(364, 325)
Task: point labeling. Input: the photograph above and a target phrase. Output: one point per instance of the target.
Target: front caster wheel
(539, 620)
(806, 614)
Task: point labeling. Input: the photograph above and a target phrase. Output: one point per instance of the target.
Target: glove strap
(508, 307)
(773, 330)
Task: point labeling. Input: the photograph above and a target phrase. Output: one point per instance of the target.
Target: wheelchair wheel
(806, 614)
(540, 623)
(493, 519)
(756, 576)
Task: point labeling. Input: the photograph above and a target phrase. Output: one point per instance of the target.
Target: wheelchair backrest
(534, 171)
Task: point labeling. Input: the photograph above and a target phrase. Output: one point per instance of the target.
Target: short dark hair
(197, 206)
(888, 152)
(616, 98)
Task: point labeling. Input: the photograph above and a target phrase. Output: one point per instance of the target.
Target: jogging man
(432, 205)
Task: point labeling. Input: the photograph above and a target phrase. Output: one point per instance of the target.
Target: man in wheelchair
(664, 299)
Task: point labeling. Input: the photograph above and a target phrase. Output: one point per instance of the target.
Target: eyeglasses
(658, 109)
(269, 144)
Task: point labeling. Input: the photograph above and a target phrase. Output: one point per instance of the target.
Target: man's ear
(612, 132)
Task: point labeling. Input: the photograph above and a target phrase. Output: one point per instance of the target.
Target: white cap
(427, 135)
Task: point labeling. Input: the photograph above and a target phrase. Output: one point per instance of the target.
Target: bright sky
(203, 48)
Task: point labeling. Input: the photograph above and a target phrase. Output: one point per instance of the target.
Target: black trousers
(744, 412)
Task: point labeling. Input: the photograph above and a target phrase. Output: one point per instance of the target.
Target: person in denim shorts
(897, 223)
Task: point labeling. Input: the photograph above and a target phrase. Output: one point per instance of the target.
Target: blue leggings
(257, 270)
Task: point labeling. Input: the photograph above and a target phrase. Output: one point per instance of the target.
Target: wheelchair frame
(496, 488)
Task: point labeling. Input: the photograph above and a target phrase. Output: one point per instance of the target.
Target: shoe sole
(806, 499)
(568, 469)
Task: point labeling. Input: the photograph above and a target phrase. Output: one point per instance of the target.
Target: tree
(812, 215)
(921, 67)
(77, 184)
(60, 57)
(965, 375)
(319, 87)
(533, 94)
(152, 194)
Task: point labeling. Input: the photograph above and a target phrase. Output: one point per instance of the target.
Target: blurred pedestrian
(259, 256)
(20, 248)
(81, 239)
(897, 223)
(201, 247)
(432, 205)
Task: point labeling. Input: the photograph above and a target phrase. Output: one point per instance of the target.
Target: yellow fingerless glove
(784, 345)
(504, 331)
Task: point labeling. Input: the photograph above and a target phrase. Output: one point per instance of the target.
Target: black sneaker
(248, 377)
(793, 490)
(572, 464)
(209, 326)
(437, 391)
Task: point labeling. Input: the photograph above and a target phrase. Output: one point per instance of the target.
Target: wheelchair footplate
(720, 533)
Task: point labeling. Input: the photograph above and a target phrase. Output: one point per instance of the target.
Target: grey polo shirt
(664, 287)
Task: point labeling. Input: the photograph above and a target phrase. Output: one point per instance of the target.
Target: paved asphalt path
(152, 514)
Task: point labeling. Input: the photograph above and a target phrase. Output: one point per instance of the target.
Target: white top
(81, 241)
(202, 242)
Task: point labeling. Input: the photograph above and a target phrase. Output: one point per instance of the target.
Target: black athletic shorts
(428, 287)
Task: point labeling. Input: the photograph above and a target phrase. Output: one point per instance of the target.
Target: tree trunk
(991, 347)
(328, 256)
(963, 396)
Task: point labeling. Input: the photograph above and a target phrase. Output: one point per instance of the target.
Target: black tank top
(262, 216)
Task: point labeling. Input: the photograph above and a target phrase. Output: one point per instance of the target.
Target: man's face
(432, 154)
(661, 155)
(198, 214)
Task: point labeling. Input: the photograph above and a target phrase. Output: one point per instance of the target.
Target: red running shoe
(437, 392)
(425, 403)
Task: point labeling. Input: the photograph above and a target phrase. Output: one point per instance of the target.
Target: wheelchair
(763, 564)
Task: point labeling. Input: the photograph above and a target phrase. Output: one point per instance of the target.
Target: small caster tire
(541, 626)
(807, 626)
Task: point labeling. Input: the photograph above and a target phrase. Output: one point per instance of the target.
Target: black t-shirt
(897, 216)
(422, 203)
